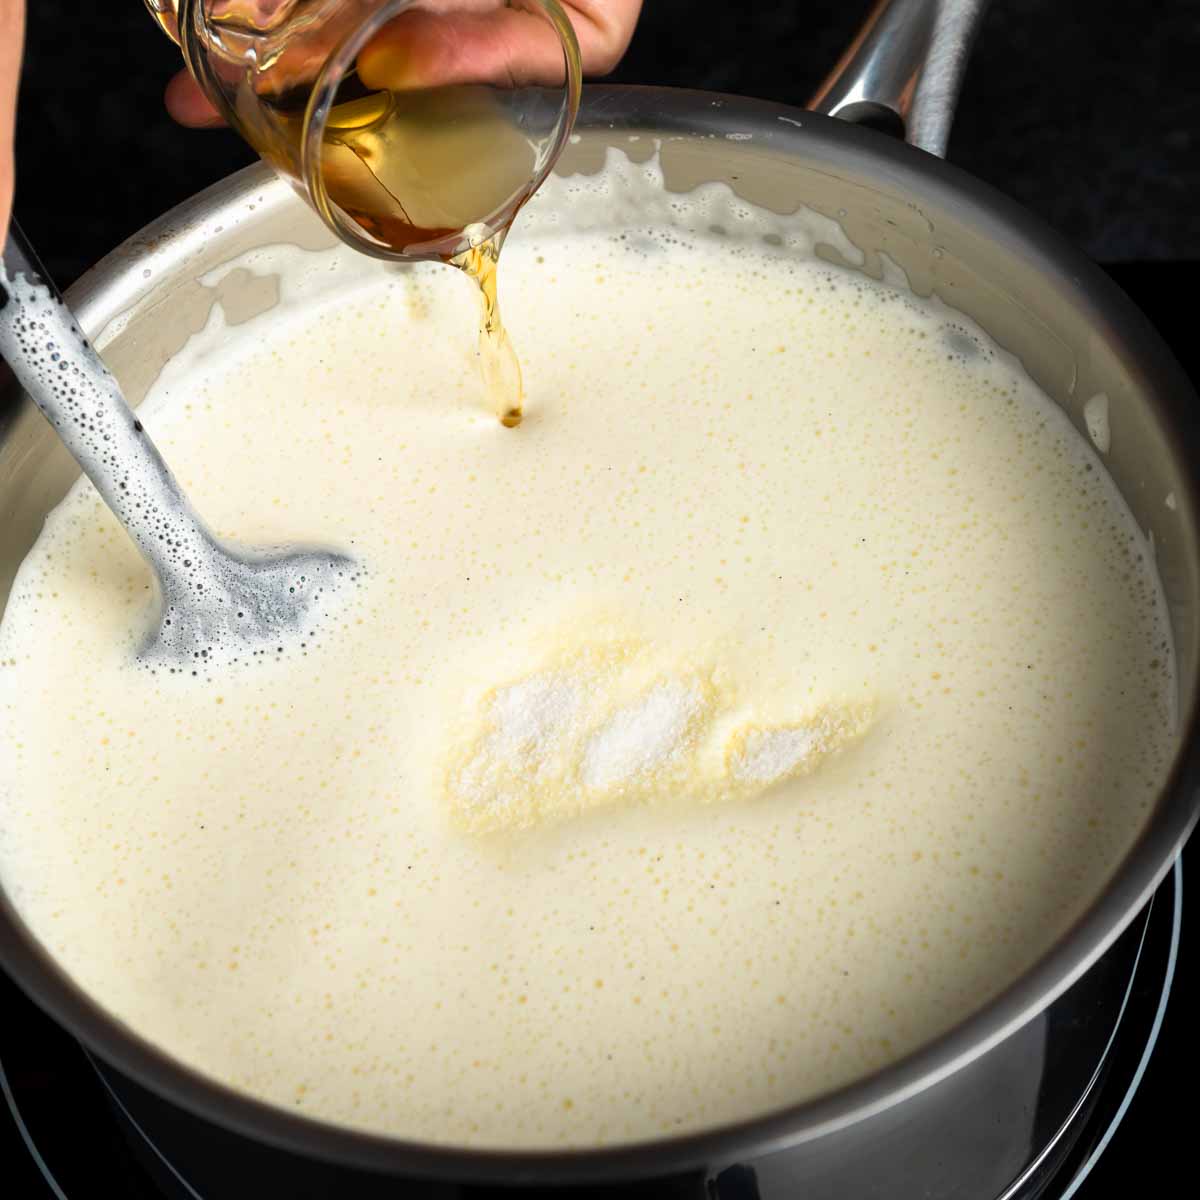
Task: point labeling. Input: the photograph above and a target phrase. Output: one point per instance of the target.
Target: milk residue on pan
(1095, 416)
(799, 479)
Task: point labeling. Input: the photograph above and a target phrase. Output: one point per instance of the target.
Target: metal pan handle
(904, 70)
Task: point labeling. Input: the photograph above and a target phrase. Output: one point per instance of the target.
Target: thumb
(419, 50)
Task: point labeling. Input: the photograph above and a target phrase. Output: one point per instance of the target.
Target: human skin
(12, 40)
(501, 44)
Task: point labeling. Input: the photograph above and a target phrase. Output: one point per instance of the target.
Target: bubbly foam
(733, 454)
(214, 605)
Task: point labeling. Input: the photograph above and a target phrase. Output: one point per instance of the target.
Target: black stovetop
(72, 1126)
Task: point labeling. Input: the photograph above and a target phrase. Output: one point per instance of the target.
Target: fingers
(507, 46)
(188, 104)
(604, 29)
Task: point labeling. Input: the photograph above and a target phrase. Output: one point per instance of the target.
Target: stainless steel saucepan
(954, 237)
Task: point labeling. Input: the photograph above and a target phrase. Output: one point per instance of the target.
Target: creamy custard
(819, 503)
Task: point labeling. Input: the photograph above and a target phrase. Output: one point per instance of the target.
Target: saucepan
(951, 236)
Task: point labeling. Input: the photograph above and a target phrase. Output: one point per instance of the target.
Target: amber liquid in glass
(415, 169)
(424, 170)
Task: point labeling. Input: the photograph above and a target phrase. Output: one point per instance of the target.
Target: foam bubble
(218, 604)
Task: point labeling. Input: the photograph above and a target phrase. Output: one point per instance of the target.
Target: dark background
(1087, 111)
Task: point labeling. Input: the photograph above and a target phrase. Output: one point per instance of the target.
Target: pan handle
(904, 70)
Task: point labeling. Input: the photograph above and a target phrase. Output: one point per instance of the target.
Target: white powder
(534, 716)
(760, 757)
(771, 754)
(607, 724)
(644, 735)
(599, 726)
(531, 727)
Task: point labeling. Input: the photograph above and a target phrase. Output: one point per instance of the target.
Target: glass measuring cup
(415, 128)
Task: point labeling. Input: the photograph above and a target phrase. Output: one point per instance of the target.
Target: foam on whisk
(218, 604)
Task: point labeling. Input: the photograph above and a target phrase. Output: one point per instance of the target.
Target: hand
(12, 38)
(504, 45)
